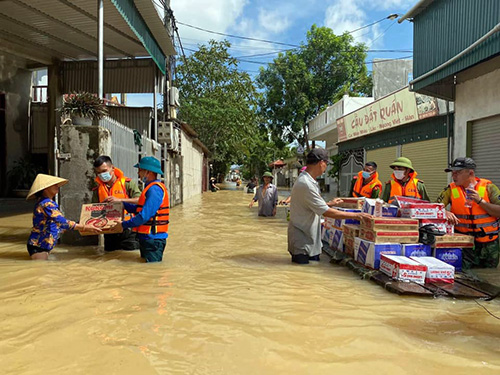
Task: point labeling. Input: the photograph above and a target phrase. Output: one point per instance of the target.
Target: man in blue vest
(151, 213)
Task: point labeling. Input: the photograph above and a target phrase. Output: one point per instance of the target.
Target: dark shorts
(127, 240)
(152, 250)
(483, 255)
(35, 249)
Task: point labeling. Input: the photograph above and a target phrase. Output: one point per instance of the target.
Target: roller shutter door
(485, 148)
(430, 159)
(383, 157)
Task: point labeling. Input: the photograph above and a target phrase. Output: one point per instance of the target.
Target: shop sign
(399, 108)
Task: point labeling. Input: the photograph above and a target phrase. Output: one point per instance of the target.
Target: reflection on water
(226, 300)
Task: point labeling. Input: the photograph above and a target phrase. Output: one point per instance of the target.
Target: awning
(66, 30)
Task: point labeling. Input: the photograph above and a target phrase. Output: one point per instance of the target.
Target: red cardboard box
(389, 223)
(101, 215)
(403, 268)
(456, 240)
(424, 211)
(387, 236)
(442, 224)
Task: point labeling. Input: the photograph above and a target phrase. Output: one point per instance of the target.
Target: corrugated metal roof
(120, 76)
(445, 29)
(67, 30)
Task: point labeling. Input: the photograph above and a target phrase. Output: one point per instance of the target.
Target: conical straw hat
(43, 181)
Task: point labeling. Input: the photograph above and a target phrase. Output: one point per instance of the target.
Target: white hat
(43, 181)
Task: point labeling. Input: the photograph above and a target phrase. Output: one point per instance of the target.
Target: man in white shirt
(304, 228)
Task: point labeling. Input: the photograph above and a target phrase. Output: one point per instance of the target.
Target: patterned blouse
(48, 223)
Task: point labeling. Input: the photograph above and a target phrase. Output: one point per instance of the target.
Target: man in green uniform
(475, 209)
(404, 182)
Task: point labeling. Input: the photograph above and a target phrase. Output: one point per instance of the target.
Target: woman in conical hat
(48, 221)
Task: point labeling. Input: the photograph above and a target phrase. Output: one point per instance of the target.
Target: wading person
(475, 209)
(267, 196)
(404, 182)
(113, 186)
(48, 220)
(213, 186)
(366, 183)
(151, 212)
(304, 228)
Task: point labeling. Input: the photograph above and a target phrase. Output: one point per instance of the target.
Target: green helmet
(268, 174)
(402, 162)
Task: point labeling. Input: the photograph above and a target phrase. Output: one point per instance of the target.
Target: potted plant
(22, 175)
(83, 108)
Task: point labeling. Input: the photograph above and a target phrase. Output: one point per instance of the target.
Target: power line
(488, 311)
(237, 36)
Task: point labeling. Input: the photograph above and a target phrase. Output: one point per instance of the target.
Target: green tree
(302, 82)
(219, 102)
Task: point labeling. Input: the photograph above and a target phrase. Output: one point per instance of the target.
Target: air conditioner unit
(173, 97)
(167, 133)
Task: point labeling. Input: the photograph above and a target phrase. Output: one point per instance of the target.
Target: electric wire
(488, 311)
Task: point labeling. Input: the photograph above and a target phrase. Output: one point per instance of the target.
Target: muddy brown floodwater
(226, 300)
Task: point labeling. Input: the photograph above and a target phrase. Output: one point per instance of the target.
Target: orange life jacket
(474, 221)
(366, 190)
(159, 222)
(407, 190)
(118, 190)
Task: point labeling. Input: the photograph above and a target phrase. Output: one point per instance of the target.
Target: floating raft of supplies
(465, 286)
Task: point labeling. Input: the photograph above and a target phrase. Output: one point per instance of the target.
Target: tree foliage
(219, 102)
(302, 82)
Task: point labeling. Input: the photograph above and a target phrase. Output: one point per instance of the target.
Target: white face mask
(399, 175)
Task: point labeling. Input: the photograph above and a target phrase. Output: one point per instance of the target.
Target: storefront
(400, 124)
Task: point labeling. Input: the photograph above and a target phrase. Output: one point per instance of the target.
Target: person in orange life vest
(404, 182)
(152, 211)
(475, 209)
(366, 183)
(113, 186)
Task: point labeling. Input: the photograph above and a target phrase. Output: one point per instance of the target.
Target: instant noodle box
(350, 202)
(384, 236)
(454, 241)
(389, 223)
(403, 268)
(437, 270)
(101, 215)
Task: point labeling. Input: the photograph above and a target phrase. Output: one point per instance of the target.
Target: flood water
(226, 300)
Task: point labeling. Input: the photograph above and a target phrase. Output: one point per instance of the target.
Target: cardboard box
(373, 207)
(416, 250)
(388, 223)
(102, 216)
(403, 268)
(349, 245)
(437, 270)
(442, 224)
(403, 202)
(351, 202)
(368, 253)
(384, 236)
(452, 256)
(351, 230)
(337, 242)
(454, 241)
(424, 211)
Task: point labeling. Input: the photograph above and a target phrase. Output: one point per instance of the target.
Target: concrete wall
(475, 99)
(389, 76)
(83, 144)
(15, 82)
(192, 167)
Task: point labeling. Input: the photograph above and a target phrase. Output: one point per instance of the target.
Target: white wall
(192, 167)
(475, 99)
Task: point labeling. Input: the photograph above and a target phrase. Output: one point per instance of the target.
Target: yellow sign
(393, 110)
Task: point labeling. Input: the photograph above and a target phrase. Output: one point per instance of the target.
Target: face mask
(366, 174)
(105, 176)
(399, 175)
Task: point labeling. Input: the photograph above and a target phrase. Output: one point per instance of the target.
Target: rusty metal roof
(44, 30)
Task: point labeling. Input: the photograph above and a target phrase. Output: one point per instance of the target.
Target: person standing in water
(48, 220)
(267, 196)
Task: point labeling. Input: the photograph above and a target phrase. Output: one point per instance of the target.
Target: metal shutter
(430, 159)
(383, 157)
(485, 148)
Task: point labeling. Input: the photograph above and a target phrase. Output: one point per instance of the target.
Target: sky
(287, 22)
